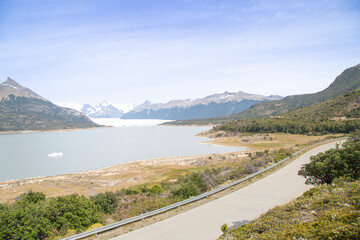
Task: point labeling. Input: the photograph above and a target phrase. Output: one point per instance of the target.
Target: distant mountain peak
(105, 103)
(11, 87)
(11, 82)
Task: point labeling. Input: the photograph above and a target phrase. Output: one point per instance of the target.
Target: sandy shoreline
(111, 178)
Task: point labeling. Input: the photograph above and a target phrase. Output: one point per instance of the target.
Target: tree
(340, 162)
(156, 190)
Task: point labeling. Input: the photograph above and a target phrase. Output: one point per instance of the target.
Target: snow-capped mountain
(104, 110)
(215, 105)
(214, 98)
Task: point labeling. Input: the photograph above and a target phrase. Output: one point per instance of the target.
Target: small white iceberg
(55, 154)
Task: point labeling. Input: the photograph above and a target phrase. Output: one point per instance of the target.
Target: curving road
(235, 208)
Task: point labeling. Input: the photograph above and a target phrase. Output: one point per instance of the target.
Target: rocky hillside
(22, 109)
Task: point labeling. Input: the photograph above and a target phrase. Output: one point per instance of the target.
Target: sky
(129, 51)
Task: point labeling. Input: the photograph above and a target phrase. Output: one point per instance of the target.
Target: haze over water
(26, 155)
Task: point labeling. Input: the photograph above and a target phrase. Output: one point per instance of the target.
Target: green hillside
(347, 81)
(347, 105)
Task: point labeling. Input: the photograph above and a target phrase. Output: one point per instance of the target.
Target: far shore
(52, 130)
(100, 126)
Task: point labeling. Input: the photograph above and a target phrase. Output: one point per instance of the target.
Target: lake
(26, 155)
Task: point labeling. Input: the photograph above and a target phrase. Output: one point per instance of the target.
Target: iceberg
(55, 154)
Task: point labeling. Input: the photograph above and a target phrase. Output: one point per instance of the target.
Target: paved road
(236, 208)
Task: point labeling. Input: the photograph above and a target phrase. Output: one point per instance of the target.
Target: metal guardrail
(190, 200)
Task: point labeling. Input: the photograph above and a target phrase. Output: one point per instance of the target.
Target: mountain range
(223, 104)
(22, 109)
(104, 110)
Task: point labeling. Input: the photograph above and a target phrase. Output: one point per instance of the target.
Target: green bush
(340, 162)
(156, 190)
(34, 217)
(186, 190)
(107, 202)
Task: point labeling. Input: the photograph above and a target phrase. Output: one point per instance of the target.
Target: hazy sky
(127, 51)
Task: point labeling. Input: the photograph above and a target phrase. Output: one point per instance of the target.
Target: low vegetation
(34, 216)
(290, 125)
(330, 210)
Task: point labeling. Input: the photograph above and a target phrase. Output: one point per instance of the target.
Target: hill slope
(23, 109)
(344, 106)
(347, 81)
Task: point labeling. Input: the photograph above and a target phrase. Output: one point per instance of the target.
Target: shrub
(107, 202)
(340, 162)
(186, 190)
(156, 190)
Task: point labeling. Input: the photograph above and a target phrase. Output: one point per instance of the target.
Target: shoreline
(145, 162)
(115, 177)
(146, 171)
(54, 130)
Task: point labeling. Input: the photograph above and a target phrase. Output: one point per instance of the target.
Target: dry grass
(260, 142)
